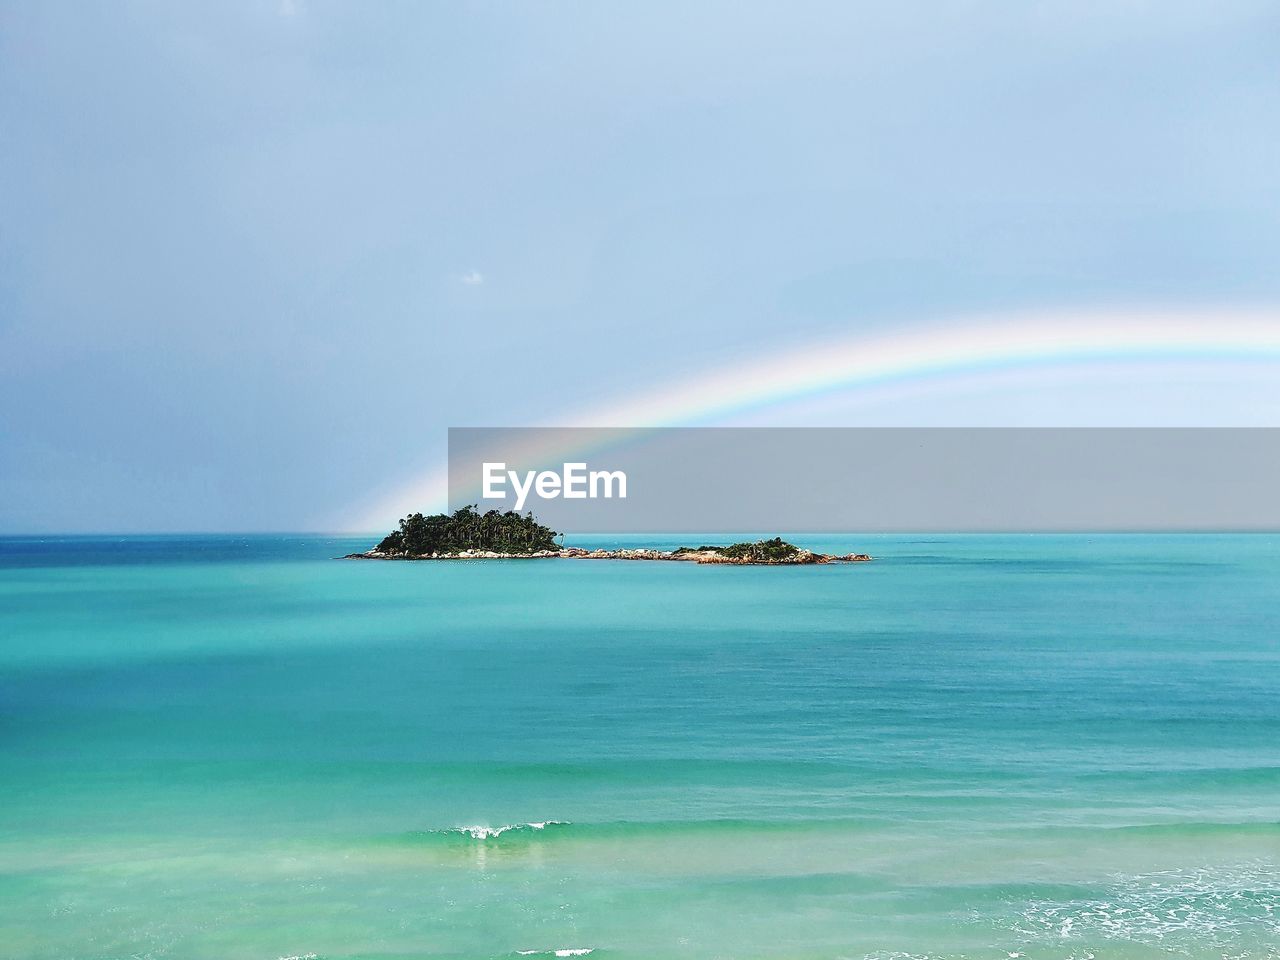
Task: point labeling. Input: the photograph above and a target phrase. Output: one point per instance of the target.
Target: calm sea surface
(975, 747)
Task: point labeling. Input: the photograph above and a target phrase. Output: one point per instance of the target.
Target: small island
(468, 534)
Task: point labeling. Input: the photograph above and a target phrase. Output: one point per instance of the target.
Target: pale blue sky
(256, 257)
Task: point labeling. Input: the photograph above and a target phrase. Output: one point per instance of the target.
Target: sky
(257, 257)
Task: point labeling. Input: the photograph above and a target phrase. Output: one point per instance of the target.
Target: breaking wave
(548, 830)
(479, 832)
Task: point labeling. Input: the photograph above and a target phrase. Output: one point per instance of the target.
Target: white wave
(485, 832)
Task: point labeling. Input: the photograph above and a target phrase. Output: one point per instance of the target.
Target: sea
(988, 747)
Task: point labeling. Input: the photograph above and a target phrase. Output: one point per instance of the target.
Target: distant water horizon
(977, 746)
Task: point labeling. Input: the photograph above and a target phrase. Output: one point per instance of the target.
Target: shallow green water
(1059, 747)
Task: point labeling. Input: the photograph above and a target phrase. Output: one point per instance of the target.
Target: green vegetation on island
(776, 550)
(468, 529)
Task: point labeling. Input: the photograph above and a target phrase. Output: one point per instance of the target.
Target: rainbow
(971, 346)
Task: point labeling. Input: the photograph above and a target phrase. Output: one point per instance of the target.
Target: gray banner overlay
(835, 480)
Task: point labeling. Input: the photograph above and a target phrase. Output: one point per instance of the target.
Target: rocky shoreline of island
(467, 534)
(796, 556)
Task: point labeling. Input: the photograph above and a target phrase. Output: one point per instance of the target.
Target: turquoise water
(978, 747)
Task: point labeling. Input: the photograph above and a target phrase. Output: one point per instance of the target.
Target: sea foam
(1231, 908)
(484, 832)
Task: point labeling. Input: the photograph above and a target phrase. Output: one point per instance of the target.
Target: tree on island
(468, 529)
